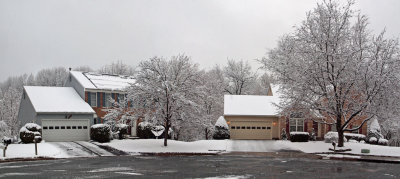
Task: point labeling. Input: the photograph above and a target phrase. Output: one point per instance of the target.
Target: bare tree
(167, 92)
(117, 68)
(331, 63)
(238, 77)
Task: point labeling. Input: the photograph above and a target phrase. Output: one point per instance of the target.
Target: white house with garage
(62, 113)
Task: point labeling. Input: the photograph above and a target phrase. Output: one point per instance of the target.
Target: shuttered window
(92, 99)
(296, 124)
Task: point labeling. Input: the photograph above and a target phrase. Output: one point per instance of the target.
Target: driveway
(81, 149)
(255, 146)
(220, 166)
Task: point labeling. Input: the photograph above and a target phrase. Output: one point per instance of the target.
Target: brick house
(256, 117)
(96, 89)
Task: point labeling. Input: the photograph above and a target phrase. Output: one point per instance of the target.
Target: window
(93, 99)
(44, 127)
(296, 124)
(62, 127)
(79, 127)
(73, 127)
(248, 127)
(253, 127)
(68, 127)
(258, 127)
(243, 127)
(107, 100)
(263, 127)
(356, 131)
(233, 127)
(268, 127)
(57, 127)
(51, 127)
(121, 97)
(84, 127)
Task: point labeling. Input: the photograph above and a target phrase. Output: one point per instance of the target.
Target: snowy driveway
(255, 146)
(81, 149)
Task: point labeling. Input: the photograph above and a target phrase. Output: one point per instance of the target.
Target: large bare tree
(167, 92)
(332, 63)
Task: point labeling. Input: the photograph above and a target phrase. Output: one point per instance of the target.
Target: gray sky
(48, 33)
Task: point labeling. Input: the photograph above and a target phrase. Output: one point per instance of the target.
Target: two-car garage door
(251, 130)
(65, 130)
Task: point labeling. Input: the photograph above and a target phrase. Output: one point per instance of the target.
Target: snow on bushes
(299, 136)
(28, 132)
(100, 133)
(357, 137)
(221, 129)
(372, 140)
(383, 141)
(144, 130)
(121, 129)
(374, 130)
(331, 137)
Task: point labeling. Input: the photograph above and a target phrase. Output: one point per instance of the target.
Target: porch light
(274, 123)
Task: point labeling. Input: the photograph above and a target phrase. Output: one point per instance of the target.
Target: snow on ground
(28, 151)
(320, 146)
(213, 146)
(157, 146)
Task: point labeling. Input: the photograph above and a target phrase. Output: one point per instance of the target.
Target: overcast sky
(48, 33)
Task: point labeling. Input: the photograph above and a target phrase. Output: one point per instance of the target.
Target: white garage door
(66, 130)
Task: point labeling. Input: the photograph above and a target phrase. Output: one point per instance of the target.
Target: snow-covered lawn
(28, 151)
(213, 146)
(156, 146)
(320, 146)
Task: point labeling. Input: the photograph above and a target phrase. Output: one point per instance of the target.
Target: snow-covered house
(257, 117)
(61, 112)
(98, 89)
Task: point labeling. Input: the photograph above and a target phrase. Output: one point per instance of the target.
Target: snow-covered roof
(91, 80)
(250, 105)
(57, 100)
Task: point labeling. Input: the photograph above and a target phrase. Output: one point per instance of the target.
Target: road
(222, 166)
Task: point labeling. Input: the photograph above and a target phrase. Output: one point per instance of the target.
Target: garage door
(251, 130)
(66, 130)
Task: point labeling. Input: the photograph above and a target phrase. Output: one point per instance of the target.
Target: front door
(133, 128)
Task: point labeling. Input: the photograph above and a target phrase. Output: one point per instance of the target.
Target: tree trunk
(206, 134)
(166, 133)
(340, 132)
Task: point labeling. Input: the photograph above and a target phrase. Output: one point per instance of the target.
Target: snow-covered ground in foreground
(28, 151)
(212, 146)
(157, 146)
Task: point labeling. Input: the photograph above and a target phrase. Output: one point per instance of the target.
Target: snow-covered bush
(28, 132)
(283, 134)
(299, 136)
(383, 141)
(313, 136)
(374, 130)
(331, 137)
(221, 129)
(357, 137)
(144, 130)
(100, 133)
(121, 129)
(373, 140)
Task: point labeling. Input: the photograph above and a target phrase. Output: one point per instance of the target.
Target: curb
(363, 158)
(174, 154)
(27, 159)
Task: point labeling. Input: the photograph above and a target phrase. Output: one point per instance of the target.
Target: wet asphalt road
(236, 166)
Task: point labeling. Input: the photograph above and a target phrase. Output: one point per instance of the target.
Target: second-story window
(107, 100)
(93, 99)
